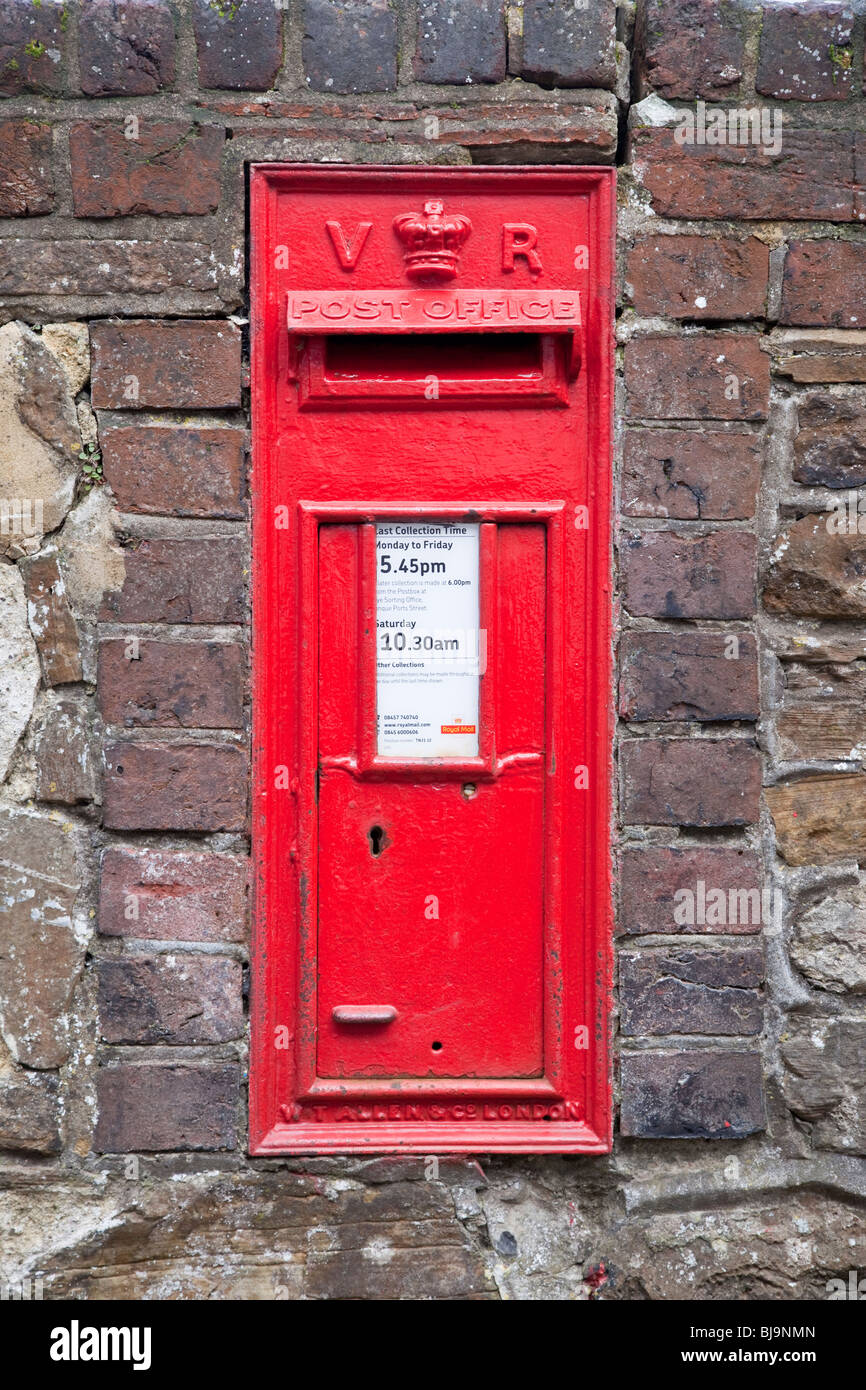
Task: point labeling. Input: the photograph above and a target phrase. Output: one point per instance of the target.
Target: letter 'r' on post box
(432, 357)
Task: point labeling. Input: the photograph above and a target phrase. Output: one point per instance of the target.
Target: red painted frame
(291, 1111)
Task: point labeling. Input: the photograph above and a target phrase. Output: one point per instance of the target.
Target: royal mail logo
(457, 729)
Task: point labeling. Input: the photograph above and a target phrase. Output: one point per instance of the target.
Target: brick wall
(740, 132)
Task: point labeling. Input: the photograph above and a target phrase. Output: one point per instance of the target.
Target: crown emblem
(432, 241)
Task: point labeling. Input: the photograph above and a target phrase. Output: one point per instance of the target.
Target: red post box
(432, 373)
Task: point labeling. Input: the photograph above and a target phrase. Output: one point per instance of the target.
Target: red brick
(32, 42)
(125, 47)
(805, 53)
(666, 575)
(816, 572)
(651, 878)
(691, 475)
(171, 168)
(192, 685)
(568, 45)
(691, 1095)
(461, 41)
(689, 48)
(810, 178)
(171, 581)
(37, 267)
(825, 283)
(706, 376)
(687, 675)
(175, 471)
(179, 998)
(181, 365)
(697, 991)
(161, 895)
(163, 1108)
(175, 786)
(690, 782)
(51, 620)
(699, 277)
(26, 176)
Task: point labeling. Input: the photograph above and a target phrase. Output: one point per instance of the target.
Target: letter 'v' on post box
(432, 382)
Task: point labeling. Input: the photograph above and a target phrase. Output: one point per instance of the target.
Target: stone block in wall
(175, 786)
(691, 474)
(183, 581)
(690, 48)
(350, 47)
(173, 685)
(40, 267)
(19, 666)
(830, 446)
(162, 1108)
(691, 1095)
(816, 569)
(566, 45)
(828, 941)
(170, 999)
(826, 355)
(667, 575)
(691, 991)
(125, 47)
(667, 889)
(173, 470)
(50, 617)
(699, 277)
(823, 710)
(461, 41)
(173, 895)
(688, 675)
(30, 1113)
(33, 42)
(163, 167)
(65, 763)
(825, 1080)
(697, 782)
(706, 376)
(239, 43)
(806, 52)
(177, 365)
(824, 283)
(820, 819)
(26, 169)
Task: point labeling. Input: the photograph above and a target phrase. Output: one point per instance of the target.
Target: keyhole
(375, 835)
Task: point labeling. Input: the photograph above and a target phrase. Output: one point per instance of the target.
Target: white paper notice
(427, 639)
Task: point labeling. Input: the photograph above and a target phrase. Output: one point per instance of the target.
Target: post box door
(432, 361)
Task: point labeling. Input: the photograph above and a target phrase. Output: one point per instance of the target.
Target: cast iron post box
(432, 368)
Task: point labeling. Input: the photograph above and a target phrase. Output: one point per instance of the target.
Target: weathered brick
(65, 766)
(350, 48)
(691, 1095)
(461, 41)
(184, 581)
(171, 684)
(240, 43)
(32, 46)
(108, 266)
(651, 879)
(177, 998)
(689, 48)
(125, 47)
(820, 819)
(30, 1113)
(161, 895)
(823, 1083)
(699, 277)
(174, 470)
(530, 131)
(690, 782)
(171, 168)
(816, 570)
(26, 175)
(825, 283)
(691, 991)
(811, 177)
(823, 710)
(827, 355)
(154, 1108)
(805, 53)
(691, 475)
(183, 365)
(50, 617)
(175, 786)
(688, 675)
(565, 45)
(666, 575)
(706, 376)
(830, 446)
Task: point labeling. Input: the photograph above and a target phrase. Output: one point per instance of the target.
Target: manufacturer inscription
(363, 1114)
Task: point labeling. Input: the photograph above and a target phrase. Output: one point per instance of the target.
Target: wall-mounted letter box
(432, 369)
